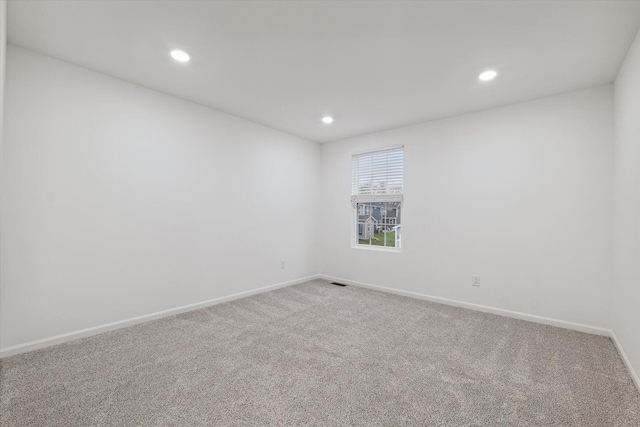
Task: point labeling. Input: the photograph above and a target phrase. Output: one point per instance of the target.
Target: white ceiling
(371, 65)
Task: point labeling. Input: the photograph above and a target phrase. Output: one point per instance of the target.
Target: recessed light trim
(485, 76)
(327, 120)
(180, 55)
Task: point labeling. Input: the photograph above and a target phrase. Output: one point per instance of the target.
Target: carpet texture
(324, 355)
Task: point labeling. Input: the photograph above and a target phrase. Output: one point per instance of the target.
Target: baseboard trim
(596, 330)
(477, 307)
(625, 359)
(70, 336)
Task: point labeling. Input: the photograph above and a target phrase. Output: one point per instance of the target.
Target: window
(376, 194)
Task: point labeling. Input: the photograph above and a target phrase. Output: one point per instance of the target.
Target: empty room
(319, 213)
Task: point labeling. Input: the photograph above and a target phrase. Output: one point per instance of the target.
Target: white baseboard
(501, 312)
(625, 359)
(477, 307)
(59, 339)
(70, 336)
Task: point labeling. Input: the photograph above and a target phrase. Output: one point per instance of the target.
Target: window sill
(377, 248)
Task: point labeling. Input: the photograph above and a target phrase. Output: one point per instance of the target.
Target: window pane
(378, 224)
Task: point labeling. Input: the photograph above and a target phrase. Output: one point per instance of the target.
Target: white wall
(120, 201)
(626, 301)
(3, 48)
(520, 195)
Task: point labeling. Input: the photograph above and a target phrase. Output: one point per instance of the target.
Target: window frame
(357, 200)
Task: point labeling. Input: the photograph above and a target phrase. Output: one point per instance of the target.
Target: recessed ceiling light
(180, 55)
(327, 119)
(487, 75)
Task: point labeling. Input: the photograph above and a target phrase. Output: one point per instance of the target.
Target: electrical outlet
(282, 265)
(475, 280)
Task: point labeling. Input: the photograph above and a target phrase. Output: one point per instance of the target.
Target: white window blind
(377, 175)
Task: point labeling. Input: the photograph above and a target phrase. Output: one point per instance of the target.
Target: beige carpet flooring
(322, 355)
